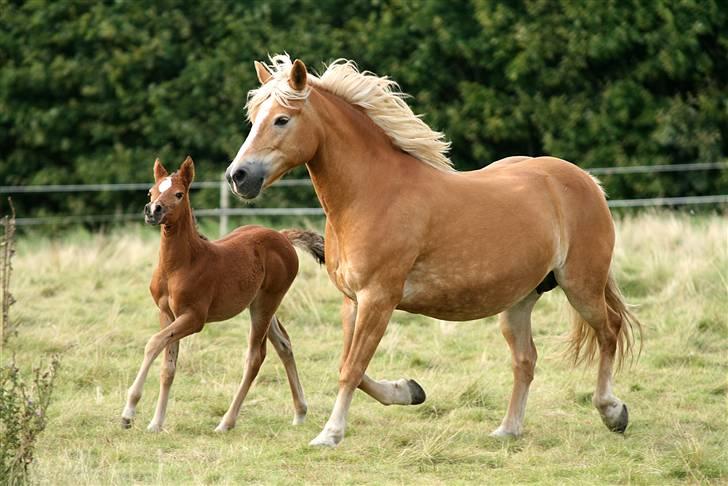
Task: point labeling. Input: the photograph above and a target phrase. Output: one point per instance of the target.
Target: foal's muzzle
(246, 180)
(153, 213)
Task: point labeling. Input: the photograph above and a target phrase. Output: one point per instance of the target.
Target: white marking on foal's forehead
(165, 184)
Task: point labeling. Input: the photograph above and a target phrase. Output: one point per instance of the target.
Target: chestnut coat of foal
(199, 281)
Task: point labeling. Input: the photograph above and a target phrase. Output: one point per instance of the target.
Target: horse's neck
(180, 242)
(354, 160)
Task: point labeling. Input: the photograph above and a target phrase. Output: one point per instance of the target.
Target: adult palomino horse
(405, 231)
(199, 281)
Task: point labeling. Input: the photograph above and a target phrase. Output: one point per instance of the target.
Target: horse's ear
(297, 78)
(187, 171)
(159, 171)
(264, 74)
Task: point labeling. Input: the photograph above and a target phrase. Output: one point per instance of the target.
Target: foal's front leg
(373, 313)
(184, 325)
(166, 375)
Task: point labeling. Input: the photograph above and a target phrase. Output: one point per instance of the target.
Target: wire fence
(225, 211)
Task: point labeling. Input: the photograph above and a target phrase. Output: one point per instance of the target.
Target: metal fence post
(224, 205)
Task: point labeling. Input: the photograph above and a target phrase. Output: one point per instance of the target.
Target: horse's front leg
(184, 325)
(374, 309)
(400, 392)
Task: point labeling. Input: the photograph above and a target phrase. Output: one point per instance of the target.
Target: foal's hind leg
(282, 344)
(261, 313)
(515, 324)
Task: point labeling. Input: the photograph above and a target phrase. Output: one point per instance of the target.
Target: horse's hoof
(503, 434)
(221, 429)
(326, 439)
(620, 425)
(416, 392)
(125, 423)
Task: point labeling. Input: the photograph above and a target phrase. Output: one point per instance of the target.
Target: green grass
(86, 297)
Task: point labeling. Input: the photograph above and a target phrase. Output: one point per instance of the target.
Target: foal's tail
(310, 241)
(583, 344)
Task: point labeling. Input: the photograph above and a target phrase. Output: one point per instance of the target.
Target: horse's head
(168, 196)
(284, 130)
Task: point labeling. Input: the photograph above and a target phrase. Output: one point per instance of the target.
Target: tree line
(94, 91)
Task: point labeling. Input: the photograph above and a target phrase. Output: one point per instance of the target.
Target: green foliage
(23, 410)
(93, 91)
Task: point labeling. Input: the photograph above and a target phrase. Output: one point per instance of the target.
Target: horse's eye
(281, 121)
(179, 195)
(149, 194)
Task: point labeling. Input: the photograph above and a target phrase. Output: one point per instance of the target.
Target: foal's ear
(264, 74)
(187, 171)
(159, 171)
(297, 78)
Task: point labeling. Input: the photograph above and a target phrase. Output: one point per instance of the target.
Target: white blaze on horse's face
(259, 119)
(283, 135)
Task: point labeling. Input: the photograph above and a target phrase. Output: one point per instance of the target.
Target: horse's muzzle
(246, 180)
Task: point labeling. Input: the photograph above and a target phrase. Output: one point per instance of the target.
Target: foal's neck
(180, 241)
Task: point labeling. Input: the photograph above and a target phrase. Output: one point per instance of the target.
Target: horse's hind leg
(589, 300)
(515, 324)
(261, 313)
(282, 344)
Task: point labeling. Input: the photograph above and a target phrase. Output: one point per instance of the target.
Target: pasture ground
(86, 297)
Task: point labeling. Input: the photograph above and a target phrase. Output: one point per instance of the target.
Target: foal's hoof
(416, 392)
(154, 427)
(222, 428)
(125, 423)
(620, 424)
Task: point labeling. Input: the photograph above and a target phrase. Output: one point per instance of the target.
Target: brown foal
(199, 281)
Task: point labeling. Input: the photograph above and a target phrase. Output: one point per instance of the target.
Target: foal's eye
(179, 195)
(149, 194)
(281, 121)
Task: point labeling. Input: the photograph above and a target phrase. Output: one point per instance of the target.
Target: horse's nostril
(239, 175)
(157, 209)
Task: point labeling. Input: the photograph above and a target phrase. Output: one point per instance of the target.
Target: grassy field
(86, 297)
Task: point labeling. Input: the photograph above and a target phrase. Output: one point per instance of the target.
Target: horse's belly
(455, 296)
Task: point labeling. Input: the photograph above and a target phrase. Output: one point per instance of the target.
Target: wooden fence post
(224, 205)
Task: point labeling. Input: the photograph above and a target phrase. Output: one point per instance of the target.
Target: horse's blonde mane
(379, 97)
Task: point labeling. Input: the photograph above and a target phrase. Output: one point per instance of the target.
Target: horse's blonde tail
(310, 241)
(583, 345)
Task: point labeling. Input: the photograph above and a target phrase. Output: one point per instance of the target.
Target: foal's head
(169, 195)
(284, 132)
